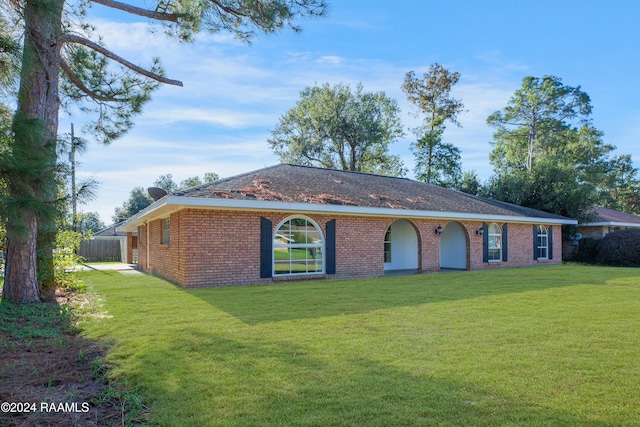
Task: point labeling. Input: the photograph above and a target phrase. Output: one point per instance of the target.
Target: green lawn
(548, 346)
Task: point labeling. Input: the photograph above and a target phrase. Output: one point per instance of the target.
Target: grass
(554, 346)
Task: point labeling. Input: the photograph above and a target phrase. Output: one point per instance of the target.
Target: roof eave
(165, 206)
(610, 224)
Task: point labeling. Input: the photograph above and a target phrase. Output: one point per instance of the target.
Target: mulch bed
(61, 377)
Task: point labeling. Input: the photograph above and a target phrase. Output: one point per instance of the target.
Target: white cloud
(331, 59)
(217, 117)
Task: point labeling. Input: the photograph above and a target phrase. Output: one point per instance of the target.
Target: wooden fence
(100, 250)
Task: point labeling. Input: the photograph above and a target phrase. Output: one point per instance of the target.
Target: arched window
(495, 242)
(542, 242)
(387, 246)
(298, 247)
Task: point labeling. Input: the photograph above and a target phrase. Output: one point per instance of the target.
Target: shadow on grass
(314, 299)
(276, 384)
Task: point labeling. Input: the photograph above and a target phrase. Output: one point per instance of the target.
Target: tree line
(139, 198)
(546, 153)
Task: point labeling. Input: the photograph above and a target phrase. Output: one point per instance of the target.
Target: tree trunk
(531, 142)
(21, 280)
(429, 162)
(37, 99)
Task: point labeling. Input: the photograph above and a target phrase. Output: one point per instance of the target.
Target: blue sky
(234, 94)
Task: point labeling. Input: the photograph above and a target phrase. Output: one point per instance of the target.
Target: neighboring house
(294, 222)
(606, 221)
(110, 244)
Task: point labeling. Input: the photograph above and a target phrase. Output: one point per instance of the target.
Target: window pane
(298, 223)
(314, 264)
(298, 236)
(494, 255)
(313, 235)
(298, 266)
(166, 231)
(387, 246)
(494, 229)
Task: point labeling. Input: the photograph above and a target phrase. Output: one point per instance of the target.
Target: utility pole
(72, 160)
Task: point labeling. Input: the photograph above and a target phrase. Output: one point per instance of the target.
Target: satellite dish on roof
(156, 192)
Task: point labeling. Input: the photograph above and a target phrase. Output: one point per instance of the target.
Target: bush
(586, 251)
(65, 260)
(620, 248)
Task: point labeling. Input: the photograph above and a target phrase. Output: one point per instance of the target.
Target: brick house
(607, 220)
(290, 222)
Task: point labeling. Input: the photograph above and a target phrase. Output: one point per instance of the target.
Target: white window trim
(539, 236)
(320, 245)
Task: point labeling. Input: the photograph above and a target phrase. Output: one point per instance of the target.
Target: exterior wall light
(480, 231)
(439, 230)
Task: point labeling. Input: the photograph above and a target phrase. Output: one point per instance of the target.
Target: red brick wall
(220, 248)
(596, 232)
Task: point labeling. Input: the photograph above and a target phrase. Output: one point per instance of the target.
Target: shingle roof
(303, 184)
(110, 231)
(612, 216)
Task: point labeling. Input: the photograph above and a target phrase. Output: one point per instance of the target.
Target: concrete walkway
(119, 267)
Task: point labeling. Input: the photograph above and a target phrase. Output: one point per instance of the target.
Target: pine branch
(159, 16)
(72, 38)
(82, 87)
(227, 9)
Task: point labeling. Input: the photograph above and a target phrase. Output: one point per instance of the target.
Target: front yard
(523, 347)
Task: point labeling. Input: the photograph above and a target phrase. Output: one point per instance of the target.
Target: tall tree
(62, 58)
(536, 119)
(546, 154)
(337, 128)
(436, 161)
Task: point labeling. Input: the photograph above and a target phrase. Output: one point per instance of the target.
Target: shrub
(586, 250)
(65, 260)
(620, 248)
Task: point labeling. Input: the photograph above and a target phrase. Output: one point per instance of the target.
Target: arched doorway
(453, 247)
(401, 247)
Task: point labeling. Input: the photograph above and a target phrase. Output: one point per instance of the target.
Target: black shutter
(266, 248)
(485, 242)
(505, 243)
(550, 242)
(535, 242)
(330, 247)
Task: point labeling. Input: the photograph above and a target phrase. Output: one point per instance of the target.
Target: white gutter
(610, 224)
(163, 207)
